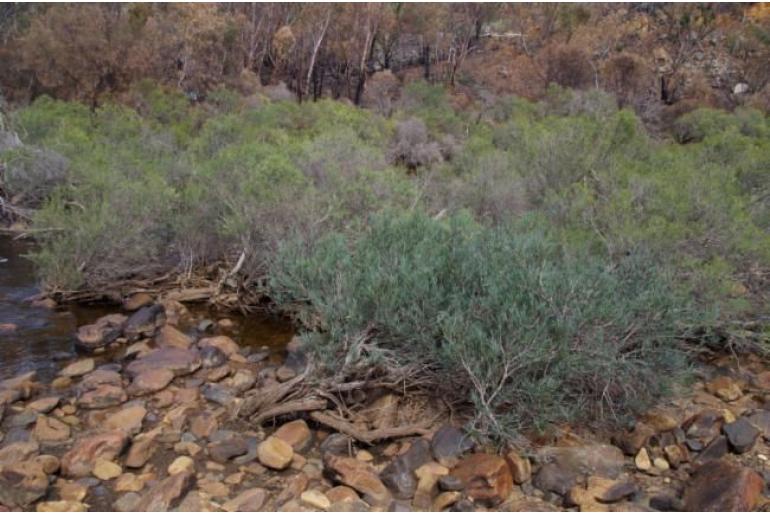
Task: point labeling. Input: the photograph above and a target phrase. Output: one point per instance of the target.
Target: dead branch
(289, 407)
(364, 436)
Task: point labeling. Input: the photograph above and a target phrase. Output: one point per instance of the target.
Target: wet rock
(337, 443)
(249, 500)
(128, 419)
(49, 429)
(399, 476)
(714, 451)
(137, 301)
(166, 493)
(103, 396)
(725, 388)
(359, 476)
(741, 435)
(223, 343)
(21, 484)
(170, 336)
(80, 459)
(142, 448)
(212, 357)
(100, 377)
(78, 368)
(150, 381)
(178, 361)
(521, 468)
(485, 477)
(449, 443)
(296, 433)
(723, 486)
(127, 502)
(275, 453)
(143, 322)
(218, 394)
(44, 405)
(104, 331)
(224, 450)
(315, 499)
(106, 469)
(61, 506)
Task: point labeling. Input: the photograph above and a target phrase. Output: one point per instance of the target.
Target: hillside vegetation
(541, 261)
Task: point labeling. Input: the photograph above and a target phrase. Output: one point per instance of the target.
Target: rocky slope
(146, 424)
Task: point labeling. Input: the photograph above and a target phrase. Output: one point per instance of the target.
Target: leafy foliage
(531, 332)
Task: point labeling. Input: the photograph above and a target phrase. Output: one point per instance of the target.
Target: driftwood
(368, 437)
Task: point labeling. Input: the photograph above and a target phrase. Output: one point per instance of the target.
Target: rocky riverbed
(144, 420)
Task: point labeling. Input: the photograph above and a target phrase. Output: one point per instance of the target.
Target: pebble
(106, 470)
(181, 464)
(315, 499)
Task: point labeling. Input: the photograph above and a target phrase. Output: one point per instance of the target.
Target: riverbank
(154, 420)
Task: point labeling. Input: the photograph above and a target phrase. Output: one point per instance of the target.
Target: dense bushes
(507, 317)
(411, 238)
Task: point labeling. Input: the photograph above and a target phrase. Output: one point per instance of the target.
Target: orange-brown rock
(485, 477)
(359, 476)
(723, 486)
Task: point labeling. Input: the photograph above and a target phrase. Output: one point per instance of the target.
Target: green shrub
(501, 318)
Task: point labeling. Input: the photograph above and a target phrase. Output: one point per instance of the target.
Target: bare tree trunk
(366, 53)
(316, 47)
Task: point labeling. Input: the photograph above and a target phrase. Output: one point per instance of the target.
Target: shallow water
(44, 339)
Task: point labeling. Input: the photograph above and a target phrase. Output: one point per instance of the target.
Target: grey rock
(449, 443)
(741, 435)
